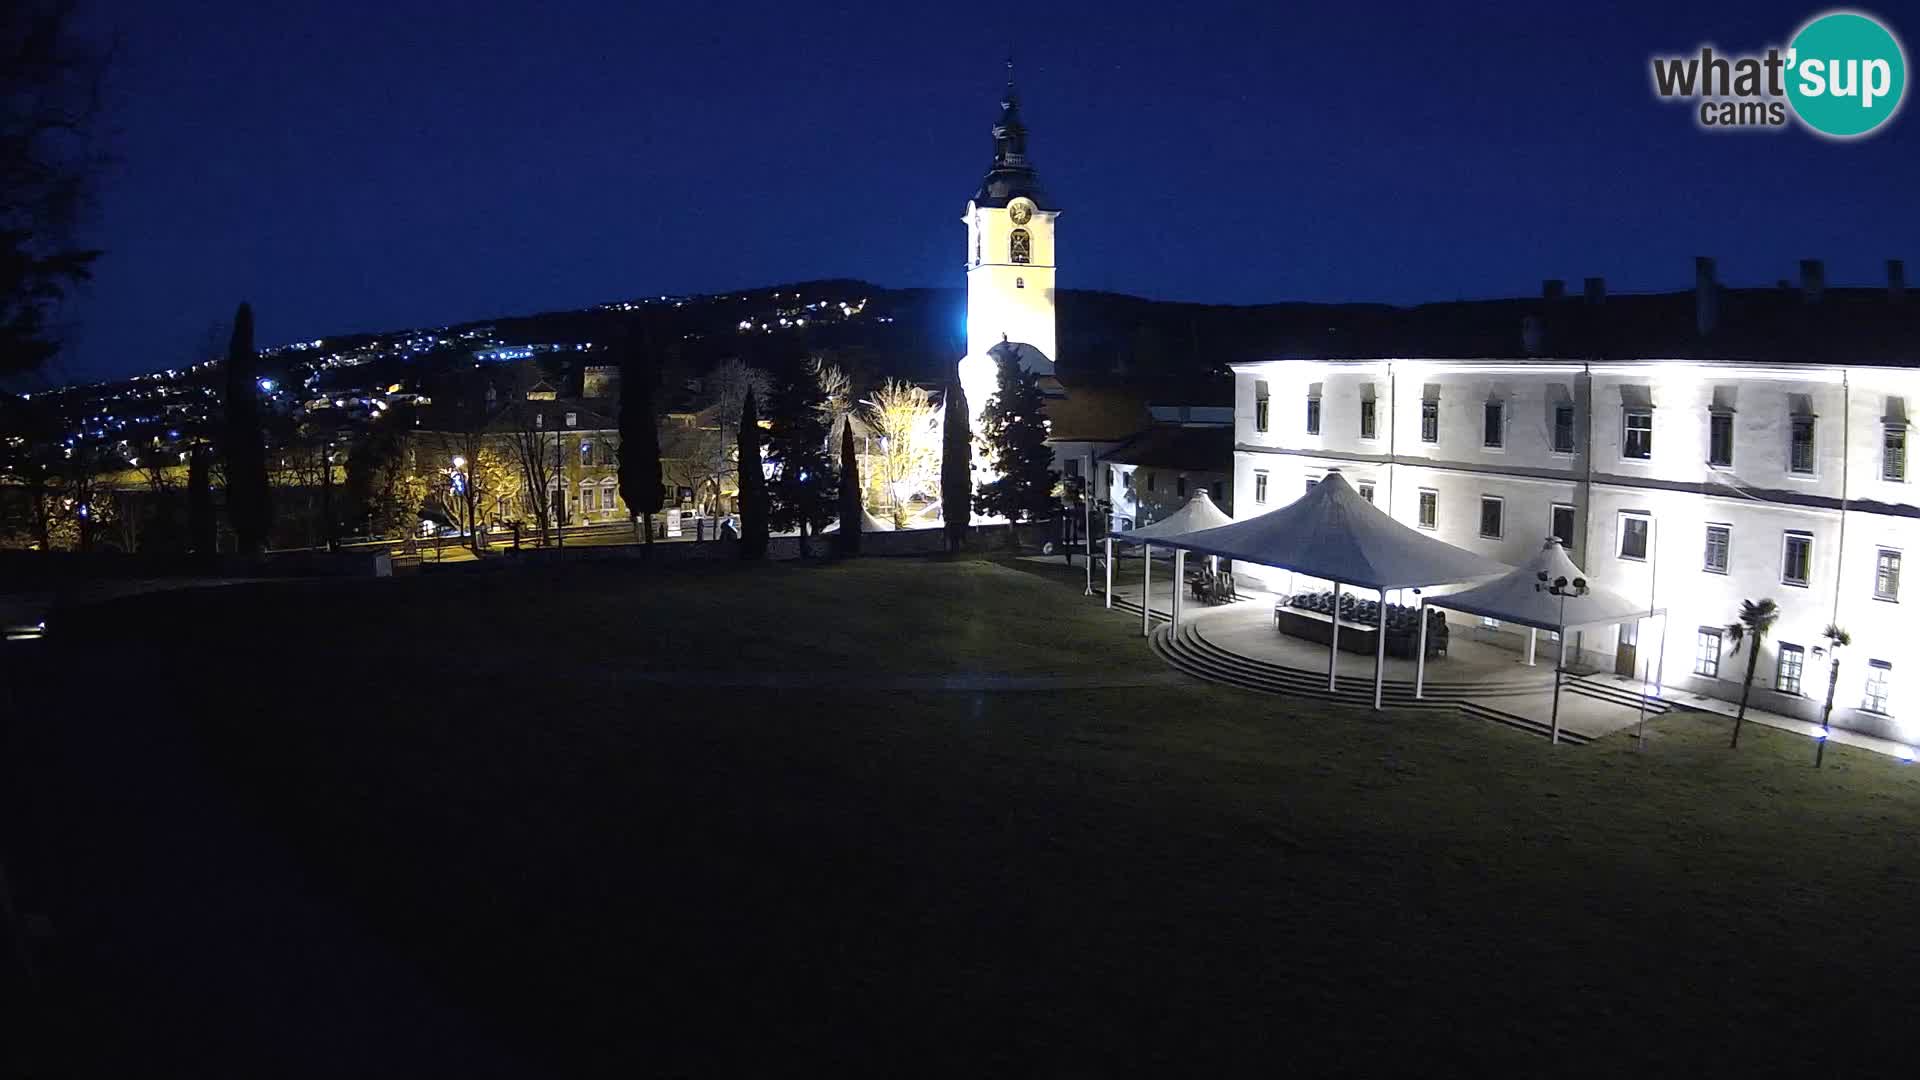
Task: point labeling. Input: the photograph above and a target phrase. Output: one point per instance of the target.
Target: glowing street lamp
(1562, 588)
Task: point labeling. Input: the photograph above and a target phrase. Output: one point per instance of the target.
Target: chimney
(1596, 291)
(1706, 296)
(1553, 288)
(1813, 280)
(1533, 334)
(1896, 280)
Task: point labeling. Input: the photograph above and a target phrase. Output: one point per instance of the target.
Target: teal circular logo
(1846, 74)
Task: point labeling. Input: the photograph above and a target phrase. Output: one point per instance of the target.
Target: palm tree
(1756, 618)
(1837, 639)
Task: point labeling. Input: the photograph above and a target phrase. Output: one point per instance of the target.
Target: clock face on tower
(1021, 211)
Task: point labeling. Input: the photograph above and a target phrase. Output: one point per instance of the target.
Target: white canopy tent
(1199, 513)
(1524, 597)
(1334, 534)
(868, 523)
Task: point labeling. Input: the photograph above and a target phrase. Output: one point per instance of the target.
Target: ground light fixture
(1559, 586)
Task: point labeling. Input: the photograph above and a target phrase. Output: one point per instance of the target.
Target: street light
(1562, 588)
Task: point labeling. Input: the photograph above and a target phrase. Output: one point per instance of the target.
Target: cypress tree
(640, 482)
(249, 503)
(956, 466)
(1015, 424)
(850, 517)
(753, 485)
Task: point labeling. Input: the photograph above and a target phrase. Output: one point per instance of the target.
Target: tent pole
(1380, 651)
(1660, 674)
(1558, 668)
(1109, 543)
(1146, 589)
(1420, 662)
(1179, 580)
(1086, 505)
(1533, 641)
(1333, 648)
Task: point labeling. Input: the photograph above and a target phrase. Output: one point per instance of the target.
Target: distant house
(579, 459)
(1093, 417)
(1154, 473)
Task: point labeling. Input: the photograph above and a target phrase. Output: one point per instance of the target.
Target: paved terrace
(1245, 629)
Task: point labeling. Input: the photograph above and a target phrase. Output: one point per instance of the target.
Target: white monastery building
(1767, 460)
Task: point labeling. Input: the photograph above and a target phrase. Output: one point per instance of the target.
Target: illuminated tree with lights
(956, 467)
(903, 420)
(1756, 619)
(753, 483)
(249, 501)
(1014, 426)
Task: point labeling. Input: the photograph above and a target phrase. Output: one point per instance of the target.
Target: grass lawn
(632, 878)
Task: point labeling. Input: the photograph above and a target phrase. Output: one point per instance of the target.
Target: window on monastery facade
(1786, 674)
(1706, 652)
(1020, 247)
(1638, 439)
(1719, 543)
(1260, 487)
(1180, 486)
(1886, 575)
(1893, 453)
(587, 498)
(586, 451)
(1430, 421)
(1562, 524)
(1879, 687)
(1720, 439)
(1796, 559)
(1368, 413)
(1366, 490)
(1563, 428)
(1260, 403)
(1493, 517)
(1635, 532)
(1493, 427)
(1429, 508)
(1313, 415)
(1800, 453)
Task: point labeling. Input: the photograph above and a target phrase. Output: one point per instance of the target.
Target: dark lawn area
(613, 876)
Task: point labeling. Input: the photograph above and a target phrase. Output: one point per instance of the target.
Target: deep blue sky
(348, 166)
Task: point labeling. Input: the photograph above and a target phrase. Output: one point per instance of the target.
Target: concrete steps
(1615, 694)
(1189, 651)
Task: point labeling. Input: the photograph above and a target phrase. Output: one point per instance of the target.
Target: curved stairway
(1190, 651)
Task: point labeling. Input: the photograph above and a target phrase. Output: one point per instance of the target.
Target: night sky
(358, 167)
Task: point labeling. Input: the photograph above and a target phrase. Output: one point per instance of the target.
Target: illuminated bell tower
(1010, 262)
